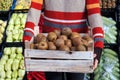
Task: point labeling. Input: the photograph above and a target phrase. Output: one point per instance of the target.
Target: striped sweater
(63, 13)
(66, 13)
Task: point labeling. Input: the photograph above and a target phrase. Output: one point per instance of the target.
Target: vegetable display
(2, 29)
(15, 27)
(22, 4)
(12, 68)
(5, 4)
(108, 69)
(110, 30)
(108, 3)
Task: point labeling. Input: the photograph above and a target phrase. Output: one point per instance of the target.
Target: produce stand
(113, 13)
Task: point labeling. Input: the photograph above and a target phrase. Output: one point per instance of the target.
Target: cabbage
(19, 50)
(4, 57)
(19, 78)
(2, 62)
(2, 79)
(2, 74)
(2, 29)
(13, 49)
(8, 74)
(7, 51)
(13, 79)
(11, 21)
(15, 64)
(22, 66)
(10, 27)
(14, 74)
(10, 61)
(1, 67)
(9, 39)
(19, 56)
(21, 73)
(12, 56)
(7, 67)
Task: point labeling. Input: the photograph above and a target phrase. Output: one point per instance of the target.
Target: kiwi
(51, 46)
(76, 41)
(59, 42)
(88, 38)
(73, 48)
(51, 36)
(39, 38)
(57, 32)
(64, 37)
(85, 42)
(81, 48)
(66, 31)
(42, 46)
(75, 34)
(64, 48)
(32, 46)
(68, 43)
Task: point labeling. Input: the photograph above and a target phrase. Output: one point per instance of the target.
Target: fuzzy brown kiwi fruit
(51, 36)
(66, 31)
(81, 48)
(59, 42)
(32, 46)
(43, 46)
(39, 37)
(85, 42)
(76, 41)
(64, 48)
(68, 43)
(51, 46)
(88, 38)
(75, 34)
(64, 37)
(73, 48)
(57, 32)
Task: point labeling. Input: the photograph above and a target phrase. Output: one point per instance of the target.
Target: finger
(95, 64)
(94, 55)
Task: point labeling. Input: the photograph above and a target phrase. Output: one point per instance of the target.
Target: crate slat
(58, 54)
(59, 65)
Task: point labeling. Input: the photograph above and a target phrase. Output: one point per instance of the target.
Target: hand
(95, 63)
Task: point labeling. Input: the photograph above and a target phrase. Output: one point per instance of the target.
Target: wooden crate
(58, 61)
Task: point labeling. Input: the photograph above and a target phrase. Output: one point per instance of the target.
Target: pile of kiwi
(64, 40)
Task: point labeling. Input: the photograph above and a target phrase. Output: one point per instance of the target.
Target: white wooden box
(58, 61)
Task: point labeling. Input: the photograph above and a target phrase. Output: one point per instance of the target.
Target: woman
(67, 13)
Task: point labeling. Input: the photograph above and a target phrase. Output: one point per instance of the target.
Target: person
(74, 14)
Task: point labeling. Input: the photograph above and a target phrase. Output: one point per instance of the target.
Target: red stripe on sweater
(36, 5)
(26, 38)
(93, 11)
(97, 30)
(29, 25)
(65, 15)
(99, 44)
(47, 29)
(92, 1)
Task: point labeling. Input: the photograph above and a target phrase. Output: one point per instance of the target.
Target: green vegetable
(21, 73)
(8, 74)
(22, 66)
(14, 74)
(4, 57)
(19, 50)
(2, 74)
(19, 56)
(7, 50)
(15, 64)
(13, 49)
(12, 56)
